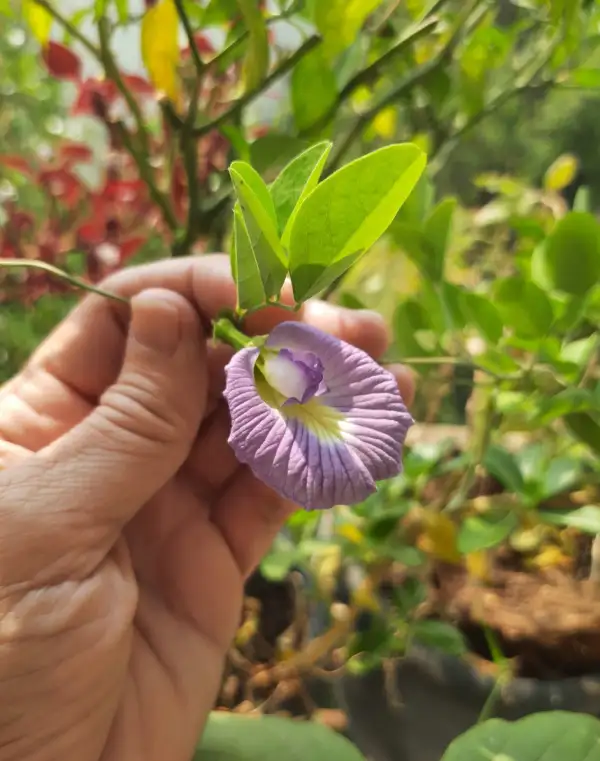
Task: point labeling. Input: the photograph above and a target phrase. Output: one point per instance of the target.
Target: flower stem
(226, 332)
(34, 264)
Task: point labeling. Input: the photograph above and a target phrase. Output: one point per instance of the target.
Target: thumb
(103, 470)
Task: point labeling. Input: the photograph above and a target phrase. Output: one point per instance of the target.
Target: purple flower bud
(316, 419)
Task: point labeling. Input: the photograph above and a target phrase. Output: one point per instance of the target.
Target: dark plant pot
(441, 697)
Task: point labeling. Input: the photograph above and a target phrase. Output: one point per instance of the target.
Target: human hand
(128, 527)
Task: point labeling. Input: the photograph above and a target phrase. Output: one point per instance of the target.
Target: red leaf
(75, 152)
(92, 93)
(139, 85)
(17, 163)
(204, 45)
(61, 62)
(61, 184)
(130, 247)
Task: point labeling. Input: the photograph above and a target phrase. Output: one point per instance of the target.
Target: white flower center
(285, 376)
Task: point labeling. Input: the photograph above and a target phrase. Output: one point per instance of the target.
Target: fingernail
(155, 322)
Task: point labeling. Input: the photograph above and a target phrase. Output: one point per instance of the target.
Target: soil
(547, 621)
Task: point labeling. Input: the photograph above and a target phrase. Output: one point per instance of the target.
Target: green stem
(33, 264)
(183, 17)
(225, 331)
(280, 71)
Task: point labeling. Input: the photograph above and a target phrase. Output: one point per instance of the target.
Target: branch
(33, 264)
(280, 71)
(413, 79)
(183, 17)
(368, 73)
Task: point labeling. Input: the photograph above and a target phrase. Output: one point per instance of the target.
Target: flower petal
(332, 449)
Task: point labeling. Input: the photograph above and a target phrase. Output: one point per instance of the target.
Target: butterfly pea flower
(316, 419)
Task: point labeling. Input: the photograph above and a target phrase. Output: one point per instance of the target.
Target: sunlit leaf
(524, 306)
(294, 183)
(586, 518)
(561, 173)
(347, 213)
(439, 538)
(256, 62)
(481, 532)
(160, 47)
(38, 19)
(571, 254)
(340, 21)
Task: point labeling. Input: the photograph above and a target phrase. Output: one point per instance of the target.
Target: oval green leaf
(572, 254)
(524, 307)
(231, 737)
(551, 736)
(347, 213)
(245, 269)
(482, 532)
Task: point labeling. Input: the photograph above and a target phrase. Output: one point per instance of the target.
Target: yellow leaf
(384, 123)
(38, 19)
(340, 21)
(561, 173)
(160, 47)
(351, 532)
(478, 565)
(364, 597)
(551, 557)
(256, 62)
(439, 538)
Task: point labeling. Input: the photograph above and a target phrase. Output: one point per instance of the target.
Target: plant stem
(183, 17)
(364, 76)
(413, 79)
(236, 108)
(225, 331)
(61, 275)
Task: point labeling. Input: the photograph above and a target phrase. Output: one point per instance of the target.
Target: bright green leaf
(122, 10)
(479, 532)
(586, 518)
(313, 90)
(585, 78)
(440, 635)
(340, 21)
(294, 183)
(347, 213)
(232, 737)
(501, 464)
(561, 474)
(245, 269)
(277, 564)
(551, 736)
(256, 63)
(566, 401)
(38, 19)
(572, 253)
(259, 216)
(524, 307)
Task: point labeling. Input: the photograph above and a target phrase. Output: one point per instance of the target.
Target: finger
(250, 515)
(405, 379)
(92, 481)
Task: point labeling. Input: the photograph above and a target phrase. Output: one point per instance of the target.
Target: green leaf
(585, 78)
(350, 301)
(277, 564)
(313, 90)
(38, 19)
(561, 474)
(259, 215)
(347, 213)
(437, 230)
(231, 737)
(245, 269)
(482, 532)
(570, 400)
(274, 151)
(483, 315)
(585, 428)
(256, 63)
(551, 736)
(586, 518)
(294, 183)
(503, 466)
(340, 21)
(571, 254)
(122, 10)
(524, 307)
(440, 635)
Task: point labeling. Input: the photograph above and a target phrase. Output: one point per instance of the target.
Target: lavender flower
(316, 419)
